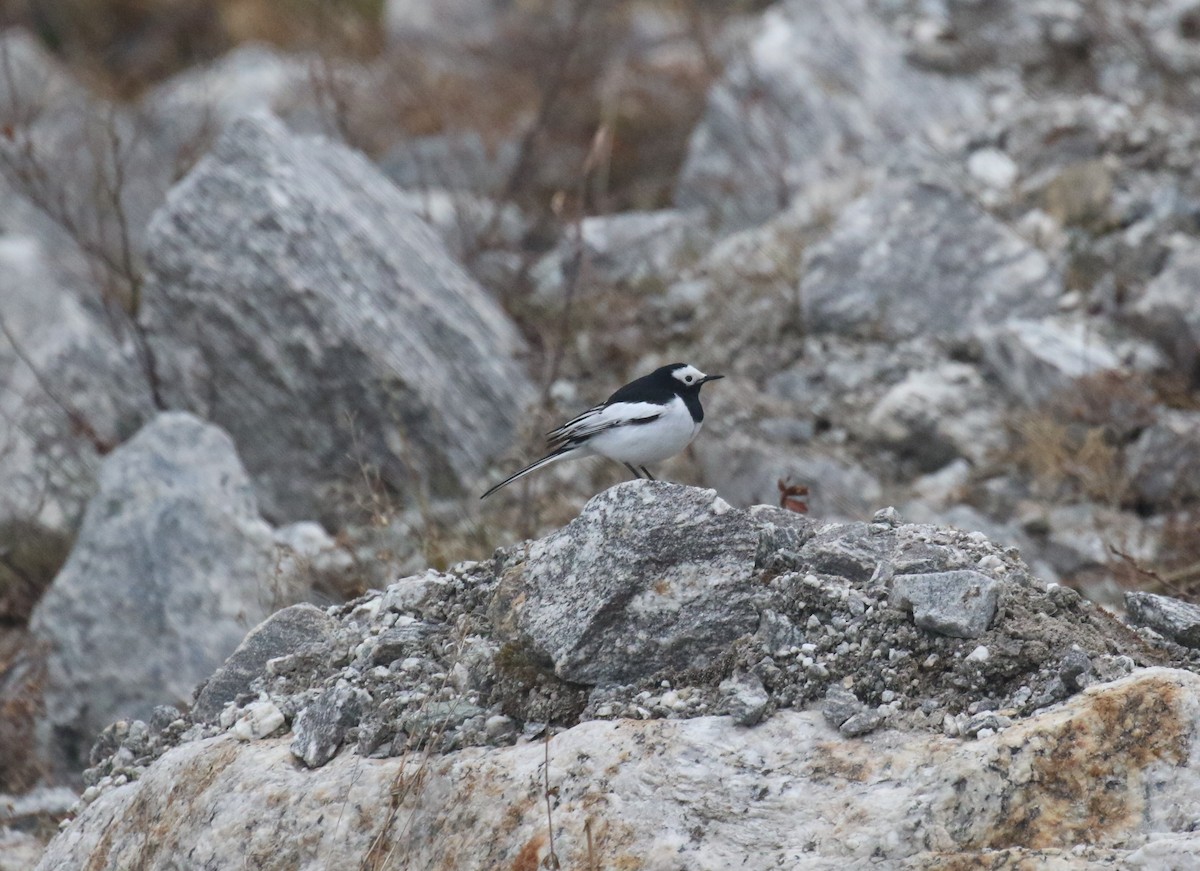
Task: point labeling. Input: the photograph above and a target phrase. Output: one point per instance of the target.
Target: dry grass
(22, 675)
(1073, 449)
(1073, 446)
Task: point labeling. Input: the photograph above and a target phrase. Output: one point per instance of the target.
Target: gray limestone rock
(1039, 360)
(863, 723)
(624, 250)
(294, 299)
(936, 415)
(1167, 312)
(901, 799)
(839, 706)
(279, 634)
(1177, 620)
(194, 106)
(959, 603)
(650, 576)
(171, 562)
(823, 88)
(915, 258)
(321, 726)
(33, 81)
(1163, 464)
(746, 698)
(451, 161)
(851, 550)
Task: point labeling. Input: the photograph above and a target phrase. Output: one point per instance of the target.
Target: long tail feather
(560, 454)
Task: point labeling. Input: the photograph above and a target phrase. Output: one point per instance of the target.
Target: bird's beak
(708, 378)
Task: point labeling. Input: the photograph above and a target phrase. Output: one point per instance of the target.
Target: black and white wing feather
(601, 418)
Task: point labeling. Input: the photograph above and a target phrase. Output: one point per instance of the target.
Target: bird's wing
(604, 417)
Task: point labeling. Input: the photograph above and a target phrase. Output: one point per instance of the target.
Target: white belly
(647, 443)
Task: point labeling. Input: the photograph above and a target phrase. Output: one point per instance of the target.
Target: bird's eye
(688, 379)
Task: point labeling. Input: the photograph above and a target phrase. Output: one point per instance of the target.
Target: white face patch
(689, 375)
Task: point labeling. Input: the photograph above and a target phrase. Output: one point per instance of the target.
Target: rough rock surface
(935, 415)
(169, 569)
(823, 87)
(440, 660)
(786, 792)
(960, 603)
(606, 600)
(630, 249)
(278, 635)
(1179, 621)
(425, 702)
(1040, 360)
(294, 300)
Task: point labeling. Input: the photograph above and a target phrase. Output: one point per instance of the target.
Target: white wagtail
(646, 421)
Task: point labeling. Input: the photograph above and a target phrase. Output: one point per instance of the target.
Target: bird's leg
(648, 475)
(632, 469)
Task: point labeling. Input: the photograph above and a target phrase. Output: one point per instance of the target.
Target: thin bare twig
(79, 422)
(555, 83)
(551, 860)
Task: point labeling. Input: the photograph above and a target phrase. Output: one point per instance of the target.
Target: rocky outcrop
(555, 679)
(294, 300)
(785, 791)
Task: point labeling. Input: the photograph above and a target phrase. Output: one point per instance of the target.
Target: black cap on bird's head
(686, 376)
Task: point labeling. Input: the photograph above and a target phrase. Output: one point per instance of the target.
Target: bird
(648, 420)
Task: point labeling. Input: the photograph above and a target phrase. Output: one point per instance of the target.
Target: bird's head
(688, 377)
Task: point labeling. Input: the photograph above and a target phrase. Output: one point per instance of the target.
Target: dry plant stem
(79, 423)
(591, 848)
(551, 860)
(110, 155)
(402, 788)
(555, 83)
(595, 157)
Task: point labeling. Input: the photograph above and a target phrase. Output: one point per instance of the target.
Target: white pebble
(992, 167)
(979, 654)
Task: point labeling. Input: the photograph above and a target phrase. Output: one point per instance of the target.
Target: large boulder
(171, 567)
(823, 88)
(916, 258)
(295, 300)
(934, 415)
